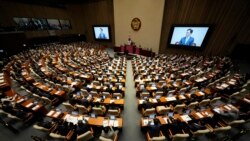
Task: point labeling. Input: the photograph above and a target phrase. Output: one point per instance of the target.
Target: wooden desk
(203, 114)
(107, 101)
(36, 108)
(98, 121)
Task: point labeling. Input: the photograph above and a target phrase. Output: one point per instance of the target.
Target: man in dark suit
(187, 40)
(154, 129)
(82, 127)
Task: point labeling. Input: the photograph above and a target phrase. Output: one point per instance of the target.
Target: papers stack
(186, 118)
(50, 113)
(116, 123)
(199, 115)
(166, 120)
(36, 107)
(105, 123)
(29, 105)
(170, 98)
(217, 110)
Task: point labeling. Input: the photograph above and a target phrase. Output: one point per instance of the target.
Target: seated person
(85, 101)
(45, 124)
(146, 104)
(82, 127)
(154, 128)
(194, 126)
(109, 133)
(10, 99)
(176, 126)
(98, 105)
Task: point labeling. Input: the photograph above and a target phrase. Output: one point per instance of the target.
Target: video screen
(101, 32)
(54, 24)
(65, 24)
(188, 36)
(40, 24)
(22, 23)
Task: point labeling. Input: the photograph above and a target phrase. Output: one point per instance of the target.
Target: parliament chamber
(124, 70)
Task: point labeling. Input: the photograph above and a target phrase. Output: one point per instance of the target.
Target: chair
(115, 112)
(160, 138)
(234, 96)
(179, 108)
(94, 94)
(148, 112)
(57, 136)
(221, 130)
(82, 109)
(160, 93)
(36, 97)
(101, 138)
(200, 132)
(144, 95)
(40, 127)
(106, 94)
(98, 111)
(162, 110)
(85, 92)
(204, 102)
(243, 92)
(193, 90)
(193, 105)
(178, 137)
(68, 106)
(170, 93)
(46, 100)
(116, 95)
(182, 90)
(214, 101)
(86, 136)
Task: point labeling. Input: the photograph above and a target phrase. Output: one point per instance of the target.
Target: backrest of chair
(159, 93)
(193, 105)
(68, 106)
(204, 102)
(94, 93)
(85, 136)
(113, 112)
(148, 112)
(164, 110)
(160, 138)
(97, 110)
(117, 95)
(57, 136)
(101, 138)
(222, 129)
(180, 137)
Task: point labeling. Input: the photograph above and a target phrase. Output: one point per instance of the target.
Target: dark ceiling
(53, 3)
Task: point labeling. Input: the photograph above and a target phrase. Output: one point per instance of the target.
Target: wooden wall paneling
(227, 16)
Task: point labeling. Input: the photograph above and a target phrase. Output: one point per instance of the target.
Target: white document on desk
(105, 123)
(199, 115)
(50, 113)
(153, 100)
(116, 123)
(141, 101)
(186, 118)
(111, 122)
(30, 104)
(145, 121)
(217, 110)
(166, 120)
(170, 98)
(201, 93)
(36, 107)
(227, 107)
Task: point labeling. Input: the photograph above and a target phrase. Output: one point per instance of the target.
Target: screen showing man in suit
(101, 32)
(188, 36)
(187, 40)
